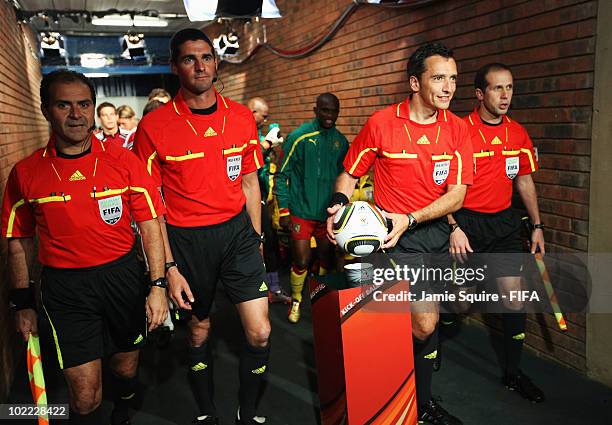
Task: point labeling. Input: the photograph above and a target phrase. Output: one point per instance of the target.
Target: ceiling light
(93, 60)
(127, 21)
(97, 74)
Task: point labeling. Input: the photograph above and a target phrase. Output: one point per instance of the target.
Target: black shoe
(256, 420)
(523, 385)
(206, 420)
(432, 413)
(119, 416)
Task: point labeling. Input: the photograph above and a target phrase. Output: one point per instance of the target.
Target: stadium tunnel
(288, 52)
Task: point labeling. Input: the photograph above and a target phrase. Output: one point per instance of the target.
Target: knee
(300, 264)
(199, 332)
(513, 306)
(259, 336)
(87, 401)
(422, 329)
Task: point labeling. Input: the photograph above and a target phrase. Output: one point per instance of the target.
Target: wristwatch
(169, 265)
(162, 282)
(412, 222)
(453, 226)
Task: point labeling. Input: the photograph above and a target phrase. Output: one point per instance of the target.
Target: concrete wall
(549, 45)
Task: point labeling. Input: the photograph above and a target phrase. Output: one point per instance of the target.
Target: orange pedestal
(363, 349)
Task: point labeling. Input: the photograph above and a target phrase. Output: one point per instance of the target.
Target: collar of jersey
(402, 110)
(181, 108)
(96, 146)
(475, 118)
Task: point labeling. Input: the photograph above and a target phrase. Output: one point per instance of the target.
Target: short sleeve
(461, 167)
(145, 200)
(17, 215)
(252, 160)
(527, 160)
(144, 148)
(363, 151)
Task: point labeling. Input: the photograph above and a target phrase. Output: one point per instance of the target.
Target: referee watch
(162, 282)
(412, 222)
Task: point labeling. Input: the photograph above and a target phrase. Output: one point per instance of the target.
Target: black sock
(92, 418)
(201, 378)
(124, 390)
(514, 336)
(253, 371)
(424, 355)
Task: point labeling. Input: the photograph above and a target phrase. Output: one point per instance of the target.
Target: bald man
(271, 140)
(313, 159)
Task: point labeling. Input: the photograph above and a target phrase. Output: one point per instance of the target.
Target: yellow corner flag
(36, 377)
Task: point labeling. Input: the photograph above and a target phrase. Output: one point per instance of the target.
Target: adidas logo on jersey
(263, 287)
(210, 132)
(496, 141)
(77, 176)
(423, 140)
(137, 340)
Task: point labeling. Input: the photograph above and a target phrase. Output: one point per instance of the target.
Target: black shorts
(229, 252)
(425, 250)
(496, 238)
(95, 311)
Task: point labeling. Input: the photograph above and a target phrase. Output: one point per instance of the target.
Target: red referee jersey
(414, 162)
(501, 152)
(199, 159)
(81, 206)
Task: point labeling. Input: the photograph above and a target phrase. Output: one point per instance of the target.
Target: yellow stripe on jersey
(399, 155)
(483, 154)
(363, 152)
(510, 153)
(11, 220)
(48, 199)
(150, 162)
(108, 192)
(441, 157)
(148, 198)
(459, 166)
(530, 156)
(185, 157)
(234, 150)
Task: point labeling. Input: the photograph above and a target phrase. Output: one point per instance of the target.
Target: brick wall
(22, 130)
(549, 44)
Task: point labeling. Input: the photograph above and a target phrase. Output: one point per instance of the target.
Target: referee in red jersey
(79, 195)
(203, 152)
(503, 159)
(421, 153)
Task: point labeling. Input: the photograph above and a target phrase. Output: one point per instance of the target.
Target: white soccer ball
(360, 228)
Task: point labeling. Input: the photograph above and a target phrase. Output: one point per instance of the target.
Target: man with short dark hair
(80, 195)
(503, 159)
(421, 153)
(203, 152)
(312, 161)
(110, 131)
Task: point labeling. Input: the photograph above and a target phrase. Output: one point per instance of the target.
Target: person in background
(271, 140)
(305, 183)
(109, 131)
(160, 94)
